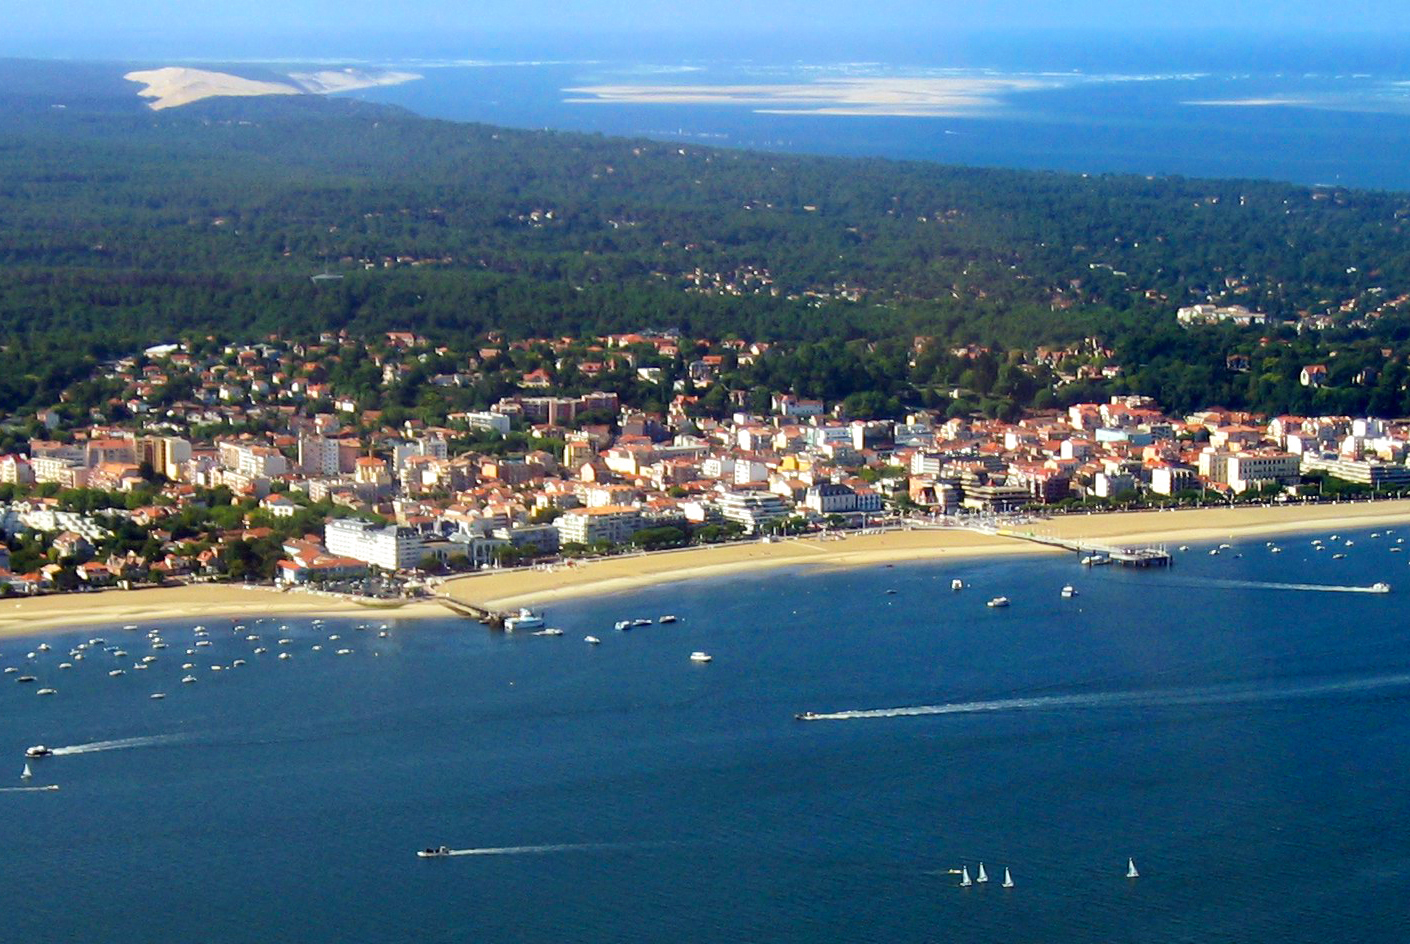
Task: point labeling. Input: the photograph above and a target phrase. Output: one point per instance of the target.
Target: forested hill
(118, 224)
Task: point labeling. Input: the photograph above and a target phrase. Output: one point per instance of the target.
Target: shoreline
(504, 590)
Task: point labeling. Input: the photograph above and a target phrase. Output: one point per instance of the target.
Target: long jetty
(1093, 553)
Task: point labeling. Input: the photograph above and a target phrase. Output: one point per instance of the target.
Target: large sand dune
(173, 86)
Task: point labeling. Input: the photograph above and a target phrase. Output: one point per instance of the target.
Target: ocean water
(1245, 743)
(1105, 109)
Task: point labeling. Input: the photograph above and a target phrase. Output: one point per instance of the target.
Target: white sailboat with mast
(1008, 879)
(25, 774)
(983, 876)
(965, 880)
(1131, 869)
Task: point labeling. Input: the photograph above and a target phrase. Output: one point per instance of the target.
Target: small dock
(491, 618)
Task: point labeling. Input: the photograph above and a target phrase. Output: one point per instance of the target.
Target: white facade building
(387, 547)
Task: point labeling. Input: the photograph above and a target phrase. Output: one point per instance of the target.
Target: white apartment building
(753, 509)
(493, 421)
(613, 523)
(253, 460)
(319, 455)
(1250, 470)
(387, 547)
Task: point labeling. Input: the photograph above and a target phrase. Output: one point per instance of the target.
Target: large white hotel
(386, 546)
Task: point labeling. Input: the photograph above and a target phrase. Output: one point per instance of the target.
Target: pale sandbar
(174, 86)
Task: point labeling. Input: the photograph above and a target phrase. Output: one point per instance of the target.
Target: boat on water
(668, 618)
(188, 680)
(47, 691)
(439, 852)
(38, 750)
(1380, 587)
(43, 647)
(622, 625)
(983, 876)
(116, 672)
(957, 584)
(1338, 557)
(157, 696)
(699, 656)
(25, 679)
(1131, 869)
(806, 716)
(26, 773)
(965, 880)
(524, 619)
(998, 602)
(1214, 552)
(1008, 879)
(641, 621)
(591, 640)
(284, 655)
(1069, 591)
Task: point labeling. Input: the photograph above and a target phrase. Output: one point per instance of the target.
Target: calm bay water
(1347, 128)
(1247, 745)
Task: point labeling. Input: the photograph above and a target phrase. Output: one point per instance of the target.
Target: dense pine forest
(120, 226)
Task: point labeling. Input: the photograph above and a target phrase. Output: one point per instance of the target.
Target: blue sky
(124, 27)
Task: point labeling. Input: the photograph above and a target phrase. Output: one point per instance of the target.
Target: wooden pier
(491, 618)
(1092, 553)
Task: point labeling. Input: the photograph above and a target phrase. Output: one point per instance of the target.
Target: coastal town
(362, 464)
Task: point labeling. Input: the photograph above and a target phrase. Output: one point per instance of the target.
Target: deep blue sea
(1247, 744)
(1335, 116)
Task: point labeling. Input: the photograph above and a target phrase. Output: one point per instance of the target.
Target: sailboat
(1008, 879)
(1131, 869)
(982, 876)
(26, 774)
(965, 881)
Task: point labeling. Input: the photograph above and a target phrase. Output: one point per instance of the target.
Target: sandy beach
(524, 587)
(614, 575)
(26, 617)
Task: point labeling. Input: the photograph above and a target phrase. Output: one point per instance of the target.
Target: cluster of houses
(408, 496)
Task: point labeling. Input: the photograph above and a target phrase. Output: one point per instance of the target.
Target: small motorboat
(188, 680)
(344, 652)
(641, 622)
(998, 602)
(47, 691)
(284, 655)
(65, 665)
(116, 672)
(44, 646)
(957, 584)
(157, 696)
(1380, 587)
(440, 852)
(38, 750)
(622, 625)
(591, 640)
(25, 678)
(1069, 591)
(550, 631)
(806, 716)
(699, 656)
(239, 662)
(668, 618)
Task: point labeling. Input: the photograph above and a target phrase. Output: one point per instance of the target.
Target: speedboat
(38, 750)
(668, 618)
(999, 601)
(591, 640)
(1380, 587)
(440, 852)
(699, 656)
(806, 716)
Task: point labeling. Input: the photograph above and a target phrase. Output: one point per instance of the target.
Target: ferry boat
(524, 619)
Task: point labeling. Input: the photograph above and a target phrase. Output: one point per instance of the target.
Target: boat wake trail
(1193, 698)
(1314, 587)
(121, 744)
(536, 850)
(48, 789)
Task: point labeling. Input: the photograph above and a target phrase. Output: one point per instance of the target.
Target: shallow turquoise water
(1246, 745)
